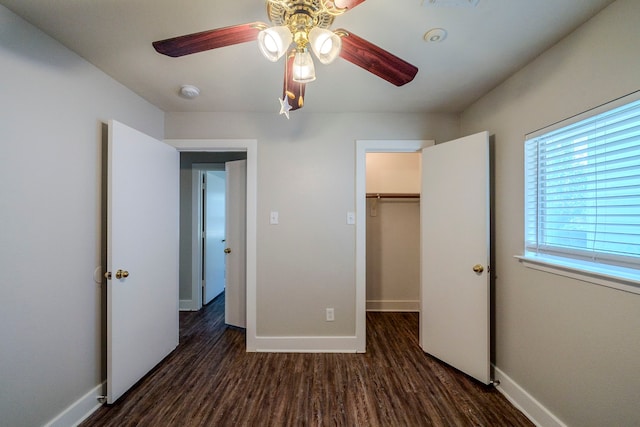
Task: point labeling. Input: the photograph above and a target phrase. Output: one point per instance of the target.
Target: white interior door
(142, 255)
(236, 264)
(214, 241)
(455, 316)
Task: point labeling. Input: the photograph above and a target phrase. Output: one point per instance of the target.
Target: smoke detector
(189, 91)
(435, 35)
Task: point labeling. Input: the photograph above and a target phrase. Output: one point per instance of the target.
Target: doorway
(250, 148)
(393, 232)
(158, 273)
(455, 290)
(219, 212)
(362, 148)
(202, 258)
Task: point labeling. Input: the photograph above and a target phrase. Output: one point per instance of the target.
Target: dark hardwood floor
(209, 380)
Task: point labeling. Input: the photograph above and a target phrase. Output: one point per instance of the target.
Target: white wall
(572, 345)
(393, 255)
(393, 173)
(306, 172)
(52, 107)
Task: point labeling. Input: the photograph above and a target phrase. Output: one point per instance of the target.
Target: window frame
(614, 276)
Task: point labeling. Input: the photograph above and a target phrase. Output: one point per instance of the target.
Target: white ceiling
(485, 45)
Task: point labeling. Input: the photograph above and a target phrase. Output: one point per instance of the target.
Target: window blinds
(582, 189)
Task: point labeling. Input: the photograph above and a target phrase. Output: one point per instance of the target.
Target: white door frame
(362, 148)
(251, 147)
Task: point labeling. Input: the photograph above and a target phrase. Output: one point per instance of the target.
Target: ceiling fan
(305, 24)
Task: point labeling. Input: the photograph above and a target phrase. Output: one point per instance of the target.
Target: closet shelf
(393, 195)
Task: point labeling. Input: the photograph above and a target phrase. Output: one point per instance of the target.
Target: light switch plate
(351, 218)
(273, 218)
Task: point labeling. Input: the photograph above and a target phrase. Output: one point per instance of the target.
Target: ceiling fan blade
(375, 59)
(293, 90)
(206, 40)
(347, 4)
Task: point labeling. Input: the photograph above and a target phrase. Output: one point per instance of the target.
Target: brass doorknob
(478, 268)
(227, 251)
(122, 274)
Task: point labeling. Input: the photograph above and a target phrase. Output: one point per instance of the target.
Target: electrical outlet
(330, 315)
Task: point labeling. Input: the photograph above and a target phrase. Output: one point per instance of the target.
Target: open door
(142, 255)
(214, 234)
(455, 314)
(236, 260)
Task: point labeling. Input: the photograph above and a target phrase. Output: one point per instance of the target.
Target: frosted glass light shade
(326, 45)
(303, 69)
(273, 42)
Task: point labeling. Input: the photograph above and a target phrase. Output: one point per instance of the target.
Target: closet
(393, 231)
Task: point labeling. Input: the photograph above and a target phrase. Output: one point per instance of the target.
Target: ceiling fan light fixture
(273, 42)
(305, 24)
(303, 69)
(326, 45)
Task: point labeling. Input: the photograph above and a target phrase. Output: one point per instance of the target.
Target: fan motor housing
(314, 13)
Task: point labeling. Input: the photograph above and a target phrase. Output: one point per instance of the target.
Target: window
(582, 192)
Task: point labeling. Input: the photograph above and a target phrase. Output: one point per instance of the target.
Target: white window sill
(627, 280)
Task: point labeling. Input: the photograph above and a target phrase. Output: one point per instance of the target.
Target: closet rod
(393, 195)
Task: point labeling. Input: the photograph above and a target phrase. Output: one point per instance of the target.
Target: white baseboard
(80, 410)
(393, 305)
(188, 305)
(521, 399)
(306, 344)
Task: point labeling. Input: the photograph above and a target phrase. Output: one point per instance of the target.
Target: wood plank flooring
(209, 380)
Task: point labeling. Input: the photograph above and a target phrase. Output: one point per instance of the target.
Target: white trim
(566, 269)
(393, 305)
(610, 105)
(362, 148)
(306, 344)
(196, 238)
(213, 145)
(251, 147)
(188, 305)
(79, 410)
(521, 399)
